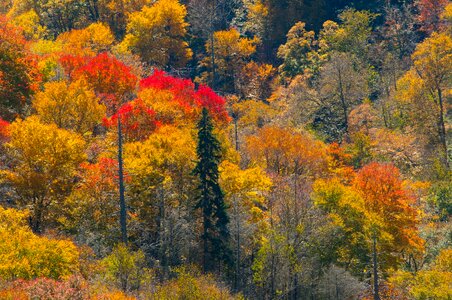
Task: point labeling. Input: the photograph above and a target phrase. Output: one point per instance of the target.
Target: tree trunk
(237, 264)
(236, 133)
(205, 246)
(375, 268)
(212, 48)
(343, 102)
(442, 128)
(36, 219)
(122, 201)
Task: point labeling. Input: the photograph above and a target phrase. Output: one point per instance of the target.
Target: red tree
(4, 130)
(138, 121)
(19, 75)
(111, 79)
(430, 14)
(186, 95)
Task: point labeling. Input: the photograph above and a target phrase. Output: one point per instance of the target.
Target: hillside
(215, 149)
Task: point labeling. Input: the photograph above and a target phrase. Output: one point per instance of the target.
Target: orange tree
(375, 207)
(18, 71)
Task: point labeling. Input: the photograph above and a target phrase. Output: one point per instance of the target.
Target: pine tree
(210, 197)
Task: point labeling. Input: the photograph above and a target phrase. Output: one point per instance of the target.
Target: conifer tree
(210, 197)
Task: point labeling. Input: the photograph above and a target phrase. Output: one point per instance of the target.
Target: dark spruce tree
(210, 198)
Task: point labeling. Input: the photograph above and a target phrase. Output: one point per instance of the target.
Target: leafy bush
(191, 285)
(125, 268)
(25, 255)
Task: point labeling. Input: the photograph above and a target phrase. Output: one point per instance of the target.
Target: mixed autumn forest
(225, 149)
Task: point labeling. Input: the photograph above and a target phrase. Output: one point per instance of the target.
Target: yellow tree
(156, 34)
(285, 151)
(245, 192)
(255, 81)
(94, 39)
(29, 23)
(27, 256)
(432, 283)
(227, 58)
(160, 191)
(377, 216)
(70, 106)
(433, 65)
(43, 163)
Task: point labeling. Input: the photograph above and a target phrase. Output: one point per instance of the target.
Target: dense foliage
(250, 149)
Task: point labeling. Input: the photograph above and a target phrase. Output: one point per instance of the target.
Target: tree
(110, 79)
(430, 14)
(231, 51)
(377, 216)
(352, 35)
(161, 194)
(18, 71)
(191, 284)
(126, 268)
(399, 30)
(28, 22)
(26, 255)
(44, 160)
(57, 16)
(90, 212)
(90, 41)
(4, 130)
(392, 217)
(426, 85)
(69, 106)
(433, 64)
(255, 80)
(298, 53)
(210, 197)
(137, 120)
(245, 192)
(430, 283)
(157, 33)
(113, 12)
(341, 86)
(175, 100)
(283, 151)
(272, 19)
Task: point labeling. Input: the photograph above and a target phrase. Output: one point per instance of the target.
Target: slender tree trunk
(212, 48)
(36, 219)
(343, 102)
(160, 232)
(442, 128)
(122, 201)
(273, 275)
(205, 246)
(205, 255)
(236, 133)
(375, 268)
(237, 228)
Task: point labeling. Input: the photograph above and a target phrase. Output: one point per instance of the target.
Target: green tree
(298, 53)
(210, 197)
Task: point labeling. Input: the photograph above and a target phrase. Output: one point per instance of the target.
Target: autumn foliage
(138, 120)
(291, 149)
(384, 193)
(186, 96)
(4, 131)
(107, 76)
(19, 77)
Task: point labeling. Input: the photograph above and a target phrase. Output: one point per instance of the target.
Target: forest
(225, 149)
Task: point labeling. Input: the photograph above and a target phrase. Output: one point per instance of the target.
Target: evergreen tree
(210, 197)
